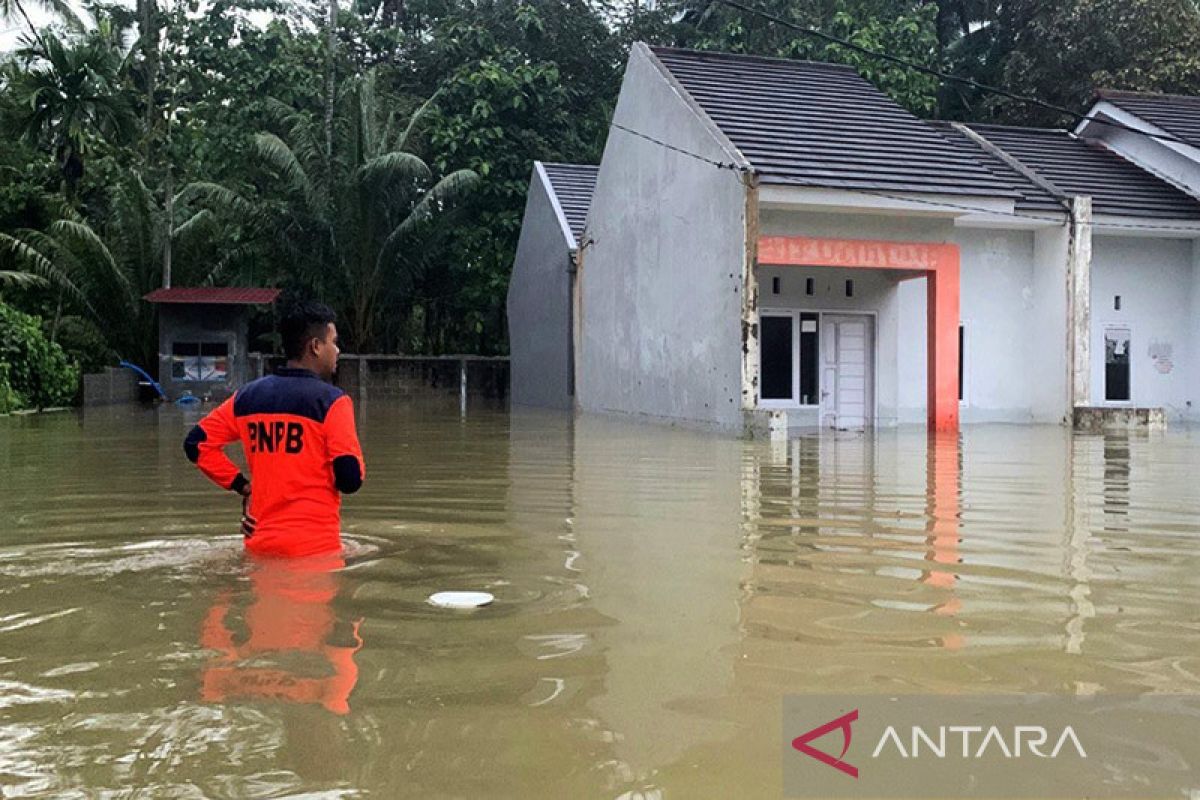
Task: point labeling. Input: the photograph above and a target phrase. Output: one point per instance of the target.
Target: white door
(846, 371)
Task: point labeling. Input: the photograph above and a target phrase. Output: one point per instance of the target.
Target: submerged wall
(1013, 310)
(539, 306)
(1014, 316)
(1154, 279)
(661, 284)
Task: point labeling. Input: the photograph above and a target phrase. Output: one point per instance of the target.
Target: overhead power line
(680, 150)
(945, 76)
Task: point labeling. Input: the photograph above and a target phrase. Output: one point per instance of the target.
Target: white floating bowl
(460, 599)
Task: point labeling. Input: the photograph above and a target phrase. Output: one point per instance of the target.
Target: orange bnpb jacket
(298, 436)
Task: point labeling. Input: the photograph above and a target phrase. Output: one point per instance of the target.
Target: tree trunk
(169, 224)
(147, 31)
(330, 87)
(57, 319)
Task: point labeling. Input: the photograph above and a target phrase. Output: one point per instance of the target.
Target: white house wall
(661, 282)
(539, 302)
(1154, 278)
(1014, 314)
(1004, 364)
(1194, 332)
(1047, 371)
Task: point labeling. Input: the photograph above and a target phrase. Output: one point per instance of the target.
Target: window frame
(793, 403)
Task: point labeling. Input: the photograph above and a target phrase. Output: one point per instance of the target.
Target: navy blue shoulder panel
(299, 395)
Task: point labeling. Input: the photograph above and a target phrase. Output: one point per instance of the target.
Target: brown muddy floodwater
(659, 591)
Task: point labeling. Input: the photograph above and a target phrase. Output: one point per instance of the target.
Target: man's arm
(345, 453)
(205, 445)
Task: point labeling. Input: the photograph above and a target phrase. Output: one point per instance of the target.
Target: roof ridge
(751, 57)
(1010, 160)
(1106, 94)
(996, 127)
(572, 164)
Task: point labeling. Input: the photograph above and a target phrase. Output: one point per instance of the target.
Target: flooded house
(775, 244)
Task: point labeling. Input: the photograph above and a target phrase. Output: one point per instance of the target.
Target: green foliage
(359, 224)
(34, 372)
(900, 28)
(1062, 52)
(102, 272)
(65, 96)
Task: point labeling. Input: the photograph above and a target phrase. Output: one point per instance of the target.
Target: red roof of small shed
(214, 295)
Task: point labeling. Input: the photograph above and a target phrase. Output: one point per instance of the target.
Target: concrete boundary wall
(379, 376)
(385, 376)
(113, 386)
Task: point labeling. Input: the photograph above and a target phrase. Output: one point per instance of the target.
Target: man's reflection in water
(287, 644)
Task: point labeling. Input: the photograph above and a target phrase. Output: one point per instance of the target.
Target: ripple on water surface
(658, 592)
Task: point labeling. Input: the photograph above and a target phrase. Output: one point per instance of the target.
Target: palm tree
(357, 227)
(11, 9)
(104, 273)
(69, 92)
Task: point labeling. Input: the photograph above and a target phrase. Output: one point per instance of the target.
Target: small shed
(203, 338)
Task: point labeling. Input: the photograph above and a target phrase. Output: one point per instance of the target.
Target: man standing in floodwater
(297, 433)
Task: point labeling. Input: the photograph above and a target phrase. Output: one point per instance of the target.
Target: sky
(12, 29)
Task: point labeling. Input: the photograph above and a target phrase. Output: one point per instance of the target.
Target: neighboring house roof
(1178, 115)
(572, 186)
(213, 295)
(1081, 167)
(1031, 196)
(815, 124)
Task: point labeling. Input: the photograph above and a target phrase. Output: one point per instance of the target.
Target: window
(775, 285)
(776, 356)
(850, 288)
(1116, 365)
(199, 361)
(810, 287)
(809, 353)
(961, 356)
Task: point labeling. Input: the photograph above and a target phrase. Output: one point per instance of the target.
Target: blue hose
(145, 375)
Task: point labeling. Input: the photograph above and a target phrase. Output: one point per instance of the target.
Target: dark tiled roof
(1080, 167)
(807, 123)
(1031, 197)
(1178, 115)
(573, 185)
(213, 295)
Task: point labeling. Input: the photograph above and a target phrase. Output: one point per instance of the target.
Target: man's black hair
(301, 322)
